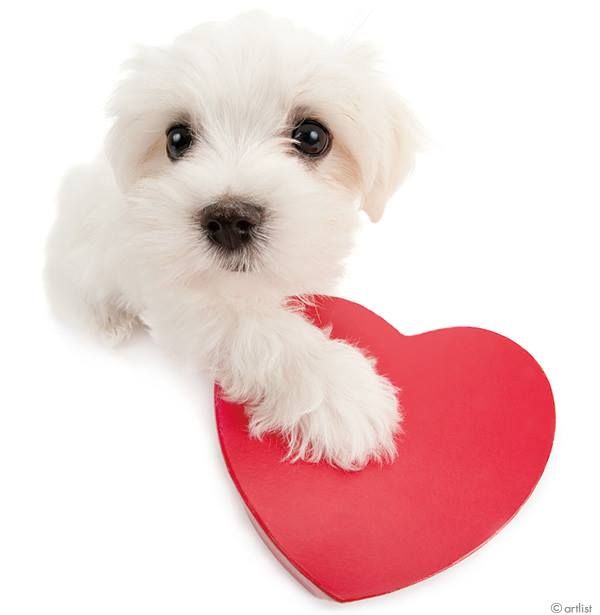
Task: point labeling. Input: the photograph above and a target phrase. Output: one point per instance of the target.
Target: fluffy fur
(126, 251)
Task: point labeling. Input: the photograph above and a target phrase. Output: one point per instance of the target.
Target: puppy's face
(246, 149)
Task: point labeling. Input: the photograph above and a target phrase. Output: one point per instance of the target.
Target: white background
(113, 496)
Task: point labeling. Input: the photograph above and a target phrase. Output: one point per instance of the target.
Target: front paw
(339, 410)
(115, 325)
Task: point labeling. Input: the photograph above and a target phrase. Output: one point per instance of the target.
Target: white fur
(124, 249)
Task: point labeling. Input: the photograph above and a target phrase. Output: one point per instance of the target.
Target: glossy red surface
(478, 429)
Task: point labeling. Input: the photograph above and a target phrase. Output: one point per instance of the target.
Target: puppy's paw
(339, 410)
(114, 325)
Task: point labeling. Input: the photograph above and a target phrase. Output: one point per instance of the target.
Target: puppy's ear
(135, 143)
(397, 144)
(129, 147)
(390, 135)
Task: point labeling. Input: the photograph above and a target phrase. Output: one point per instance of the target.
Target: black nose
(231, 224)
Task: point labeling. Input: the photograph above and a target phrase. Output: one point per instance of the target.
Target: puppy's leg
(80, 267)
(324, 396)
(110, 322)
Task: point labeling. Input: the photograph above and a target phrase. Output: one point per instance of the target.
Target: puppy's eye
(179, 140)
(311, 138)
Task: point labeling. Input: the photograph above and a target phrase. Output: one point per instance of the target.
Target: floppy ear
(139, 108)
(388, 134)
(395, 141)
(134, 146)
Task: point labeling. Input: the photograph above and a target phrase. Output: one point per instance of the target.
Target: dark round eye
(311, 138)
(179, 140)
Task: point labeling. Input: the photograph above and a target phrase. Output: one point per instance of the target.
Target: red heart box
(478, 430)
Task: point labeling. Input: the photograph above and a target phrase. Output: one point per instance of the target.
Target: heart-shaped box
(478, 430)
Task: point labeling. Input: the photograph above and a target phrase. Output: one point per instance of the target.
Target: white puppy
(232, 180)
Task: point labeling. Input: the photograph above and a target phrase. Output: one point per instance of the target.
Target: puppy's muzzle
(231, 225)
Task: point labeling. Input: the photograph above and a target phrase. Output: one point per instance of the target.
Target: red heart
(479, 424)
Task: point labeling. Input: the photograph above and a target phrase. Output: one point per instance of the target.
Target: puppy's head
(247, 149)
